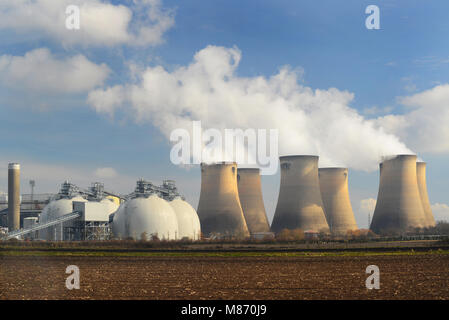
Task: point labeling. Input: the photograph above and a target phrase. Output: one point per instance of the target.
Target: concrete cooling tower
(219, 206)
(251, 200)
(399, 207)
(299, 203)
(422, 186)
(335, 195)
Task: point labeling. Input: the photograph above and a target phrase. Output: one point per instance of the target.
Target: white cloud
(108, 100)
(106, 173)
(310, 121)
(375, 110)
(101, 23)
(440, 211)
(40, 71)
(425, 126)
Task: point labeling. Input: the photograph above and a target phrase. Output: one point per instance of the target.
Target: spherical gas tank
(53, 210)
(152, 216)
(188, 220)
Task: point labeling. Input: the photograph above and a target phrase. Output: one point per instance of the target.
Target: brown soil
(401, 276)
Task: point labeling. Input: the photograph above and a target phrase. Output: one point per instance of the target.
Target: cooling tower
(251, 200)
(398, 207)
(299, 203)
(13, 196)
(422, 186)
(219, 206)
(335, 195)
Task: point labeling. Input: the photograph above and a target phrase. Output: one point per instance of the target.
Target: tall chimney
(219, 206)
(399, 207)
(335, 195)
(13, 196)
(299, 203)
(250, 194)
(422, 186)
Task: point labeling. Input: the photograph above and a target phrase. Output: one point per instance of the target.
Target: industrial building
(85, 214)
(335, 195)
(299, 205)
(219, 207)
(399, 207)
(251, 200)
(76, 214)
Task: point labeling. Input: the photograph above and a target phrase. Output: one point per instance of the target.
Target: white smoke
(309, 121)
(425, 125)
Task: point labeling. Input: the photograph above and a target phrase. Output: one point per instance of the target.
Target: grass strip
(224, 254)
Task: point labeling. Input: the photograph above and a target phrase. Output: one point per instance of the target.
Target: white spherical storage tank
(188, 220)
(56, 209)
(152, 216)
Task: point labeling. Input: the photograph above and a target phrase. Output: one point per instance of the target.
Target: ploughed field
(246, 276)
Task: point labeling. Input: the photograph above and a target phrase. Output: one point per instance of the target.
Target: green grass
(223, 254)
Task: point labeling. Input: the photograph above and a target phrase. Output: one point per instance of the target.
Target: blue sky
(325, 39)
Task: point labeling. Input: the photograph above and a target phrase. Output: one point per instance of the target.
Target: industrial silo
(422, 186)
(399, 207)
(13, 196)
(299, 203)
(145, 216)
(251, 200)
(335, 195)
(188, 220)
(219, 206)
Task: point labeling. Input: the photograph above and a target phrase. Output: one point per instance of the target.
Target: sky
(99, 103)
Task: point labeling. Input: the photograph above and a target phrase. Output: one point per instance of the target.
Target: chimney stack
(13, 196)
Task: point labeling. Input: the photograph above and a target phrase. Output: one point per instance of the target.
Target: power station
(251, 200)
(335, 195)
(399, 207)
(299, 203)
(231, 205)
(219, 207)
